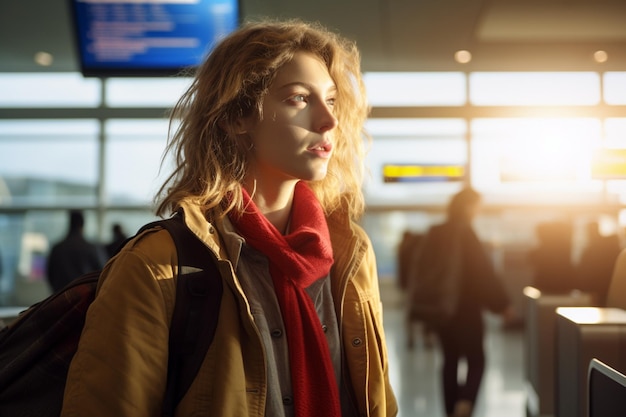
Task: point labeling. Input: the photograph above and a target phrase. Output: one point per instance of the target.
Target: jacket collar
(348, 240)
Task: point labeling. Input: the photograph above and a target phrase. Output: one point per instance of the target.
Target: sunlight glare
(546, 150)
(593, 315)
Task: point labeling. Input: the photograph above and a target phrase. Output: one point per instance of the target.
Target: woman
(266, 151)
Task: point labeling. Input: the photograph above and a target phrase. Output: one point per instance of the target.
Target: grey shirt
(253, 272)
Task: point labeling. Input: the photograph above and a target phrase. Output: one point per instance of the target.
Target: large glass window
(420, 142)
(615, 88)
(134, 149)
(615, 138)
(48, 162)
(145, 92)
(49, 90)
(416, 89)
(534, 88)
(536, 160)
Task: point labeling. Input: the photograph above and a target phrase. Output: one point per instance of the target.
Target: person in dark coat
(119, 237)
(410, 240)
(478, 289)
(594, 271)
(553, 269)
(73, 256)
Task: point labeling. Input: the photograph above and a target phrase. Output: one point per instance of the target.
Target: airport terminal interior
(523, 101)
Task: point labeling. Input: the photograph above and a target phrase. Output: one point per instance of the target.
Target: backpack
(435, 276)
(37, 348)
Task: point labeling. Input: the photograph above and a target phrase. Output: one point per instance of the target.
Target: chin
(318, 176)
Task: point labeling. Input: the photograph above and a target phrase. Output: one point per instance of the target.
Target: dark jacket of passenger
(71, 258)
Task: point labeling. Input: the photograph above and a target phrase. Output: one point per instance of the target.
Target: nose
(326, 119)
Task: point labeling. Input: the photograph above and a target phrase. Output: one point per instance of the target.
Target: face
(294, 141)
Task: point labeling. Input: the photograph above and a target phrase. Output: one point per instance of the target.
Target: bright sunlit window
(132, 144)
(49, 90)
(615, 138)
(543, 157)
(615, 87)
(415, 88)
(145, 92)
(49, 161)
(534, 88)
(418, 142)
(507, 156)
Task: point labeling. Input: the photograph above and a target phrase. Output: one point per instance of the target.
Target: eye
(299, 98)
(330, 102)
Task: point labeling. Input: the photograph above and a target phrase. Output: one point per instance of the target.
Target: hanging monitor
(148, 37)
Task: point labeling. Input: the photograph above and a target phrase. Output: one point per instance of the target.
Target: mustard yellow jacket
(120, 367)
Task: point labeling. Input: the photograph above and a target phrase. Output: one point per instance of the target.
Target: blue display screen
(149, 37)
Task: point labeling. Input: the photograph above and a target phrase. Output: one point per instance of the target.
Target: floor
(414, 374)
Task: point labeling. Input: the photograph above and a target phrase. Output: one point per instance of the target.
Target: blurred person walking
(119, 236)
(551, 259)
(73, 256)
(453, 254)
(594, 270)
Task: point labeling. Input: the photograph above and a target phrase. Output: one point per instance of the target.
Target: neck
(274, 202)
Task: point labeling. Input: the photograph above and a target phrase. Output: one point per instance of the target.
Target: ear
(239, 127)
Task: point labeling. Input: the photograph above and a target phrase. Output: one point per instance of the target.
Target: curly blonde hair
(210, 163)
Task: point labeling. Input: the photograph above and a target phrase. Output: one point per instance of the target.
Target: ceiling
(393, 35)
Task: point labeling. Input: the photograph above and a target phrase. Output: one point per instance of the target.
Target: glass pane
(145, 92)
(615, 87)
(416, 127)
(415, 88)
(615, 129)
(48, 90)
(48, 162)
(10, 238)
(534, 88)
(129, 220)
(413, 142)
(615, 137)
(133, 156)
(536, 160)
(25, 248)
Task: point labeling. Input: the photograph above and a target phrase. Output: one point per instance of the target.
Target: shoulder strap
(198, 297)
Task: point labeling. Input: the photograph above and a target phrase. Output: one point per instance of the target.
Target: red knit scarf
(296, 261)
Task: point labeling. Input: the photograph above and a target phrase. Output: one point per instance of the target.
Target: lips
(322, 147)
(322, 150)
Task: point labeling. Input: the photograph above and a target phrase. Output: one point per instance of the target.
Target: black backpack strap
(198, 298)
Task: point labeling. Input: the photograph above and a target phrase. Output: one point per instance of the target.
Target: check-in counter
(540, 327)
(584, 333)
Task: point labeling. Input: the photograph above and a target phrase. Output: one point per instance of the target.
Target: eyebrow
(331, 89)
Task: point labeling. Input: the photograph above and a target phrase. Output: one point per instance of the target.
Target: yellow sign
(417, 173)
(609, 164)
